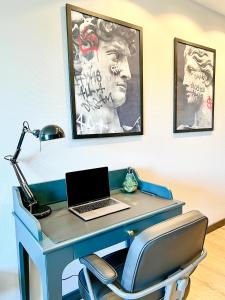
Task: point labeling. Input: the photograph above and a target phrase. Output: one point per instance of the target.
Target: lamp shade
(51, 132)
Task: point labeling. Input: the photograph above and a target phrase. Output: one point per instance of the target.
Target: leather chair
(157, 265)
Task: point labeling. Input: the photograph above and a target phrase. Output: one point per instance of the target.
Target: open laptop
(88, 194)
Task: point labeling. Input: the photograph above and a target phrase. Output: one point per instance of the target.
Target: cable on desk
(74, 275)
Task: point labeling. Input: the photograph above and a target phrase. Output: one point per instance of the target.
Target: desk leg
(52, 267)
(23, 265)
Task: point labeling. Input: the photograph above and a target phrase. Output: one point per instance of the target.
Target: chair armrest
(100, 268)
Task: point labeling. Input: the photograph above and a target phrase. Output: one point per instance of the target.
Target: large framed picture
(194, 86)
(105, 64)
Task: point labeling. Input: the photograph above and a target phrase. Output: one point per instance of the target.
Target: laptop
(88, 194)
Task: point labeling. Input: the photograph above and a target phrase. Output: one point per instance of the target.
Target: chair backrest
(160, 250)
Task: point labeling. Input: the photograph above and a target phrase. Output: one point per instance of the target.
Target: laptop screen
(87, 185)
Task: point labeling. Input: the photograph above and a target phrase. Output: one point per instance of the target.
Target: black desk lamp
(49, 132)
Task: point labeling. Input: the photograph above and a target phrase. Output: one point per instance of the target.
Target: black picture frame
(105, 67)
(194, 87)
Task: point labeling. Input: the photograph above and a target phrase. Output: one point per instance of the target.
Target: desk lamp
(49, 132)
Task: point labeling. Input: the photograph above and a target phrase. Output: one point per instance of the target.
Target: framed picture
(105, 63)
(194, 86)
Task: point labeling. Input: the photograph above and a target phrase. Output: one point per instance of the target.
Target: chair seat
(101, 291)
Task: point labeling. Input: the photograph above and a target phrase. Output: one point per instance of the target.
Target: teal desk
(53, 242)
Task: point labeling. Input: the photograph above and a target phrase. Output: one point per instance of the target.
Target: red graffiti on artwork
(209, 103)
(87, 41)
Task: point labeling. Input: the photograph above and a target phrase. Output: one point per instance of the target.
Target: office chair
(156, 266)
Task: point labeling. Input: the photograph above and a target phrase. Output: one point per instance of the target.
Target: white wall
(34, 86)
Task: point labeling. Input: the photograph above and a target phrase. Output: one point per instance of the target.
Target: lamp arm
(29, 197)
(25, 129)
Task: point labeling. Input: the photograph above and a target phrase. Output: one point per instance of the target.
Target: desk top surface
(62, 225)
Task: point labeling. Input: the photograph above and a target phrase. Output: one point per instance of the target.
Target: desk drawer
(120, 234)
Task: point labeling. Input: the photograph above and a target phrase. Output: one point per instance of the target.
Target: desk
(53, 242)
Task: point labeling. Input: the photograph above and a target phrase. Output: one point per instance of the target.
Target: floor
(208, 281)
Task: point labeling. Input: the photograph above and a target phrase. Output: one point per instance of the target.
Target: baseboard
(216, 225)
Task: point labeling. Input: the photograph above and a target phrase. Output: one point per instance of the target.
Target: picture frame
(194, 87)
(106, 77)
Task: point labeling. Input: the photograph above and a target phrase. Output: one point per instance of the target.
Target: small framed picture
(194, 86)
(105, 64)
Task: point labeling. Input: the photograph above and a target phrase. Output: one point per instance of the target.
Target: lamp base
(41, 211)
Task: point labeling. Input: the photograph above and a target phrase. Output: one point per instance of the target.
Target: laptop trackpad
(99, 208)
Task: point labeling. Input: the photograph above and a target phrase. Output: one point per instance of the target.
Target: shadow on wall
(8, 284)
(209, 199)
(189, 9)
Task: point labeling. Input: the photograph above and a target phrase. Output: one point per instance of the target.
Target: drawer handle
(130, 232)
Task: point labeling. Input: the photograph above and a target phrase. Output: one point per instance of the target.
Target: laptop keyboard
(95, 205)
